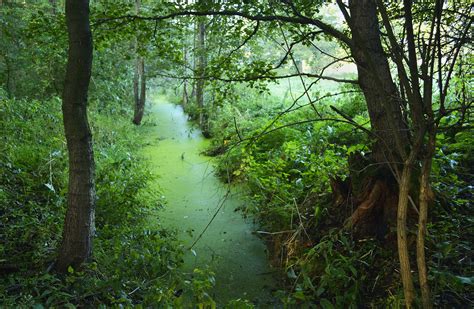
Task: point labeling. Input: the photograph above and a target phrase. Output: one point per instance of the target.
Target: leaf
(466, 280)
(70, 270)
(326, 304)
(320, 291)
(299, 295)
(50, 186)
(291, 274)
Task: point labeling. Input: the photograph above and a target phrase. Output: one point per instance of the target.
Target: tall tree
(186, 62)
(200, 60)
(78, 230)
(139, 80)
(384, 106)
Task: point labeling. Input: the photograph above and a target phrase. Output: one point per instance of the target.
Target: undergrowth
(287, 162)
(132, 263)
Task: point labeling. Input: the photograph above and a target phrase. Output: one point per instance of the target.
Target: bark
(426, 196)
(368, 203)
(78, 231)
(380, 91)
(386, 117)
(200, 68)
(139, 80)
(185, 99)
(136, 84)
(378, 210)
(390, 125)
(139, 91)
(404, 257)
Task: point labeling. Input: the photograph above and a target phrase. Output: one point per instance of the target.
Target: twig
(212, 219)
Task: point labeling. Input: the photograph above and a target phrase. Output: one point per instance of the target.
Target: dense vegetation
(288, 174)
(134, 261)
(338, 168)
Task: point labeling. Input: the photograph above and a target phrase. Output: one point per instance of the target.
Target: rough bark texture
(387, 121)
(76, 244)
(376, 82)
(373, 194)
(201, 66)
(375, 191)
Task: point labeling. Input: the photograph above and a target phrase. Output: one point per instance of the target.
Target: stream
(194, 195)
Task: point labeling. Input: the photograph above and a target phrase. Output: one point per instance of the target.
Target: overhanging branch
(301, 20)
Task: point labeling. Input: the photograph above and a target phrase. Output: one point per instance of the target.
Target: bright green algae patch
(193, 195)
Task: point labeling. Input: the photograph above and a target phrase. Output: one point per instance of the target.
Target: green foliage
(283, 163)
(450, 247)
(32, 40)
(331, 266)
(451, 231)
(131, 262)
(203, 282)
(32, 180)
(122, 176)
(134, 261)
(239, 304)
(286, 166)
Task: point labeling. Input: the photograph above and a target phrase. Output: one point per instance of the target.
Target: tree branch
(301, 20)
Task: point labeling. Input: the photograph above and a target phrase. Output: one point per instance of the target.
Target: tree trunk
(185, 81)
(200, 70)
(78, 230)
(426, 197)
(380, 91)
(139, 89)
(392, 137)
(404, 257)
(139, 81)
(377, 212)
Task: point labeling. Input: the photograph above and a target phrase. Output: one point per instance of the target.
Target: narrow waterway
(194, 195)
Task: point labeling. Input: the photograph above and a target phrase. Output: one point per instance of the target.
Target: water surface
(193, 194)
